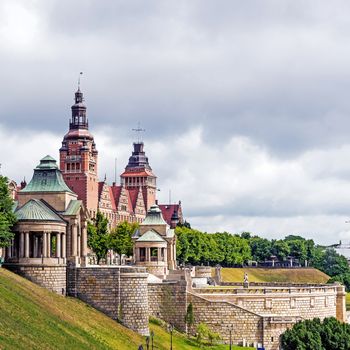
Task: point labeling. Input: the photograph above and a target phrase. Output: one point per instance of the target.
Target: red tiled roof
(116, 191)
(129, 173)
(78, 133)
(168, 210)
(100, 187)
(133, 193)
(114, 208)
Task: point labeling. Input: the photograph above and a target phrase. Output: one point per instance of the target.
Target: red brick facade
(79, 164)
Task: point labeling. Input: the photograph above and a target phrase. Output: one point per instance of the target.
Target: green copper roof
(150, 236)
(73, 207)
(154, 217)
(36, 210)
(47, 178)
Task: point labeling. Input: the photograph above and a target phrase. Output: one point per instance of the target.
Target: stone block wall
(306, 302)
(168, 301)
(50, 277)
(220, 316)
(119, 292)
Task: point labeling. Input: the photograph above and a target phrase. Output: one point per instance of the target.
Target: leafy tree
(205, 334)
(280, 249)
(261, 248)
(7, 217)
(316, 335)
(98, 236)
(189, 318)
(120, 240)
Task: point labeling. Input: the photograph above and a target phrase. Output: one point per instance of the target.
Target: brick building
(128, 201)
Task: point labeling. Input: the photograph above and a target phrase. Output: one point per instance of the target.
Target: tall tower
(79, 156)
(138, 173)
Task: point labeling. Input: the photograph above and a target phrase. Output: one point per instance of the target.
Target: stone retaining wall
(168, 301)
(50, 277)
(119, 292)
(220, 316)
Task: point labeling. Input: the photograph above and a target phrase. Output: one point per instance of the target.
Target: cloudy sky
(245, 103)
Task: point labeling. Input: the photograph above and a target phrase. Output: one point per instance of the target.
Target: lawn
(303, 275)
(34, 318)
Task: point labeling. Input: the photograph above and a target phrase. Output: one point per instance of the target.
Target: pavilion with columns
(155, 244)
(51, 229)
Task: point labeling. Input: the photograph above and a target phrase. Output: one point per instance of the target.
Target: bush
(330, 334)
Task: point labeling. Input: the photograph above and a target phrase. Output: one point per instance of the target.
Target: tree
(98, 236)
(189, 318)
(120, 238)
(7, 217)
(330, 334)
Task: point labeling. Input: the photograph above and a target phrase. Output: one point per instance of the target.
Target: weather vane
(138, 130)
(80, 74)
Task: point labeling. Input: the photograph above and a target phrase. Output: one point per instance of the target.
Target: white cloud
(235, 186)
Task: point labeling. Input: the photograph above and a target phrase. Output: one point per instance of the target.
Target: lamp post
(231, 329)
(147, 342)
(152, 336)
(171, 329)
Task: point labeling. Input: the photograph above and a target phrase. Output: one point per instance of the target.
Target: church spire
(79, 119)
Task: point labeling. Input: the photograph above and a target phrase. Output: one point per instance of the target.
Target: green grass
(34, 318)
(306, 275)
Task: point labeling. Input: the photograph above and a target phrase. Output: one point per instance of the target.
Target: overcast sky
(245, 103)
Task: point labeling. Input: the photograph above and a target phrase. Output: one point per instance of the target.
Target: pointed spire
(79, 119)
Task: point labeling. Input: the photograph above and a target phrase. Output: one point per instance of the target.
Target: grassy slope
(34, 318)
(308, 275)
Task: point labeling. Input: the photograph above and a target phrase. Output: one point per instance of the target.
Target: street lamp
(147, 342)
(152, 336)
(171, 329)
(231, 329)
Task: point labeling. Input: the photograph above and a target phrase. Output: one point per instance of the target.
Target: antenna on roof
(115, 170)
(138, 130)
(80, 74)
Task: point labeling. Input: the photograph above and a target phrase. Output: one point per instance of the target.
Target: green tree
(119, 240)
(316, 335)
(280, 249)
(7, 217)
(261, 248)
(98, 236)
(189, 318)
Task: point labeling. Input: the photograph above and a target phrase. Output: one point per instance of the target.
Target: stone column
(44, 247)
(8, 252)
(49, 244)
(64, 247)
(74, 238)
(84, 247)
(26, 245)
(21, 244)
(35, 246)
(58, 245)
(159, 255)
(148, 254)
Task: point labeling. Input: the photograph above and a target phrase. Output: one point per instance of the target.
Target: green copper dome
(36, 210)
(47, 178)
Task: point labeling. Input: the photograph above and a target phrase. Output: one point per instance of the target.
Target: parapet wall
(168, 301)
(50, 277)
(305, 302)
(119, 292)
(220, 316)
